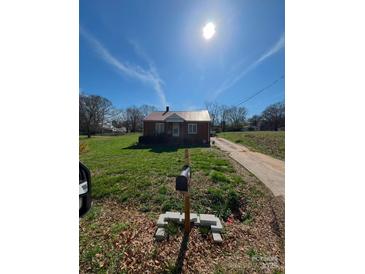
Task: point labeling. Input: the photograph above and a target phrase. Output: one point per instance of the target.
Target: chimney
(167, 110)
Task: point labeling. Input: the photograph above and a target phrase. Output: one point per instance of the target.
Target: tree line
(234, 118)
(97, 114)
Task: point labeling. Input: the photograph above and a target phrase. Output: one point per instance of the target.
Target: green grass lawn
(131, 185)
(145, 176)
(268, 142)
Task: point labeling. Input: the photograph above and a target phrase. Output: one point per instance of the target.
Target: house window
(192, 128)
(160, 128)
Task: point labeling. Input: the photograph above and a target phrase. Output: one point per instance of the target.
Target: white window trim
(159, 128)
(192, 126)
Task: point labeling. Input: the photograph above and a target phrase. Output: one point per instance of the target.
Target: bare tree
(255, 121)
(93, 112)
(214, 112)
(236, 117)
(147, 109)
(134, 119)
(105, 108)
(273, 116)
(118, 118)
(223, 111)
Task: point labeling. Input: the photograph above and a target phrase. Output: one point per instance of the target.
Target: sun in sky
(209, 31)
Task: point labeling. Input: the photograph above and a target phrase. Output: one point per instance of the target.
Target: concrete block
(193, 217)
(197, 222)
(172, 216)
(181, 219)
(217, 238)
(160, 234)
(161, 221)
(218, 227)
(208, 219)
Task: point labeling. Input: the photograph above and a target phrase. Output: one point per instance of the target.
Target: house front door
(176, 129)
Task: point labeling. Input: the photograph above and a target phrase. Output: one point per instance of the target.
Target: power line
(261, 90)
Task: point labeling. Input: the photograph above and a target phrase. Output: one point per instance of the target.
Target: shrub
(217, 177)
(233, 201)
(223, 201)
(224, 213)
(216, 195)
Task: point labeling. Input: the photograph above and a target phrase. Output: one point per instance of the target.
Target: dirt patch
(247, 247)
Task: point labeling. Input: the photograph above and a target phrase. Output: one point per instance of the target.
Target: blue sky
(153, 52)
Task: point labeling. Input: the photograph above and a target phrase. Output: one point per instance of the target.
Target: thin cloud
(141, 53)
(149, 76)
(231, 82)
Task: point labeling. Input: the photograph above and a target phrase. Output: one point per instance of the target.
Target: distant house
(177, 127)
(110, 129)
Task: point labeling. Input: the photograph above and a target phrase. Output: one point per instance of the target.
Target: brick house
(177, 127)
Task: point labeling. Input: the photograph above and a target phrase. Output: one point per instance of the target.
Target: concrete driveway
(270, 171)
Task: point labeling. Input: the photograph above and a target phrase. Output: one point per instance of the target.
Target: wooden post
(187, 198)
(187, 157)
(187, 212)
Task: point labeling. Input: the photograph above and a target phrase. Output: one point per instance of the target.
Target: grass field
(132, 185)
(268, 142)
(121, 170)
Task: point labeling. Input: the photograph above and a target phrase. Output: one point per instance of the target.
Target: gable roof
(174, 118)
(188, 116)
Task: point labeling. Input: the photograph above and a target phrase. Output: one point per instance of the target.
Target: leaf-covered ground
(268, 142)
(133, 185)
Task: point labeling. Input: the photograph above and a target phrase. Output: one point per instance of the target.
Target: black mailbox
(182, 181)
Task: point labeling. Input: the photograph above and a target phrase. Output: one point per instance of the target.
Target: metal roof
(189, 116)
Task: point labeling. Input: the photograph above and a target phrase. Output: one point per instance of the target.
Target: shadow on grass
(162, 148)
